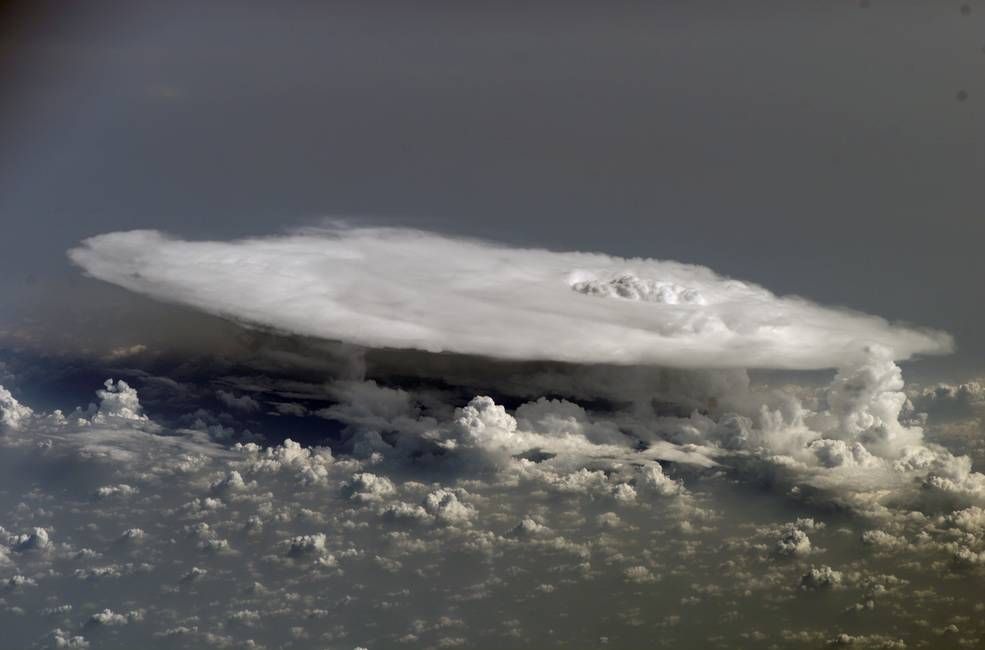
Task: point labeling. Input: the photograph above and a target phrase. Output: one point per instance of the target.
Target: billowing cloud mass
(548, 524)
(450, 500)
(397, 288)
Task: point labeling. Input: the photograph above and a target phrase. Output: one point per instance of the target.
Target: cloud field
(502, 448)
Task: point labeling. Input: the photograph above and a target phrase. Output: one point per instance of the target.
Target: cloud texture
(118, 532)
(398, 288)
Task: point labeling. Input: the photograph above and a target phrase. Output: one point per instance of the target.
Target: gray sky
(815, 147)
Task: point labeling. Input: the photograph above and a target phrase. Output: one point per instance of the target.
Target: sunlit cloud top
(399, 288)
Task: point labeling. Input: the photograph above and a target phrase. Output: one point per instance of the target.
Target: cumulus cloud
(37, 540)
(121, 490)
(445, 506)
(309, 546)
(118, 400)
(12, 413)
(109, 618)
(793, 542)
(258, 545)
(823, 577)
(62, 639)
(397, 288)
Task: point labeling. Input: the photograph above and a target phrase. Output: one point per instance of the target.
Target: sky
(492, 325)
(815, 148)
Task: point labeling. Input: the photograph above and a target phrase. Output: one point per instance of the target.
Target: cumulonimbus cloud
(401, 288)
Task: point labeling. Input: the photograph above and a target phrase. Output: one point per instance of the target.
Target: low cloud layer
(544, 525)
(397, 288)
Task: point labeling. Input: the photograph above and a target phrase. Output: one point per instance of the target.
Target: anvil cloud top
(400, 288)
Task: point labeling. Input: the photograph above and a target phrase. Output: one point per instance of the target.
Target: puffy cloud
(310, 464)
(529, 528)
(624, 493)
(652, 480)
(18, 581)
(838, 453)
(132, 535)
(560, 417)
(823, 577)
(109, 618)
(367, 487)
(118, 401)
(945, 402)
(194, 575)
(865, 401)
(12, 413)
(63, 639)
(444, 505)
(402, 511)
(970, 520)
(231, 482)
(483, 423)
(883, 540)
(36, 540)
(793, 542)
(528, 537)
(410, 289)
(310, 547)
(305, 544)
(485, 432)
(120, 490)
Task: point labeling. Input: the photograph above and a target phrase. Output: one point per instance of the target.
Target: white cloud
(445, 506)
(132, 535)
(63, 639)
(109, 618)
(792, 542)
(367, 487)
(121, 490)
(37, 540)
(528, 537)
(309, 547)
(310, 465)
(410, 289)
(118, 400)
(231, 482)
(12, 413)
(823, 577)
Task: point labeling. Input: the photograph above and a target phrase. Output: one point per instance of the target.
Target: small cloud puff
(823, 577)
